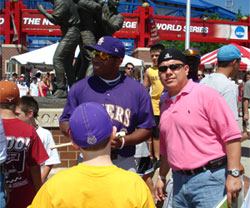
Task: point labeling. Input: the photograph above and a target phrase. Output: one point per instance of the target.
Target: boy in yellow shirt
(95, 182)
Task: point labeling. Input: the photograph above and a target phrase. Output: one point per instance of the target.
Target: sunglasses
(102, 55)
(191, 52)
(172, 67)
(131, 68)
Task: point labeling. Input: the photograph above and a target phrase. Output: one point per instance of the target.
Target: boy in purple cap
(126, 101)
(96, 182)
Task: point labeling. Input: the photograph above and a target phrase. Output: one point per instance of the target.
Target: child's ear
(30, 113)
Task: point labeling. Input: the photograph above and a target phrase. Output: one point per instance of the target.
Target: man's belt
(213, 164)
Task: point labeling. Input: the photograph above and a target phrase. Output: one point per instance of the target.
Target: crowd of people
(177, 120)
(40, 84)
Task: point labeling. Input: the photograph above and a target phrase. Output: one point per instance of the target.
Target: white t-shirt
(141, 150)
(47, 140)
(225, 87)
(34, 89)
(23, 89)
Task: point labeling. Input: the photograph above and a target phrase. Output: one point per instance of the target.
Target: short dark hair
(9, 106)
(245, 76)
(226, 63)
(29, 103)
(157, 47)
(129, 63)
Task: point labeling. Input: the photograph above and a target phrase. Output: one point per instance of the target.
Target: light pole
(187, 35)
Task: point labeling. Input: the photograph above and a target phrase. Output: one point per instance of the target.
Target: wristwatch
(234, 172)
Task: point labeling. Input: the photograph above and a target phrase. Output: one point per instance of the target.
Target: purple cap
(90, 124)
(110, 45)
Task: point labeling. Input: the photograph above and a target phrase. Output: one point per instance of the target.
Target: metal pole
(187, 35)
(11, 69)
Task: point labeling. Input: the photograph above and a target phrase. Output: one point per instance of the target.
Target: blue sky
(244, 5)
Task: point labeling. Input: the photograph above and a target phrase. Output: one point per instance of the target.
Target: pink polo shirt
(195, 126)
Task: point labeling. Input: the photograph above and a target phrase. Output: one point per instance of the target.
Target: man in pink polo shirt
(199, 139)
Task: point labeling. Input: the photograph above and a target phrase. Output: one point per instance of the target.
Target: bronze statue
(97, 19)
(82, 22)
(64, 14)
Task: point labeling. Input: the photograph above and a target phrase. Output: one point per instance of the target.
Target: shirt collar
(186, 90)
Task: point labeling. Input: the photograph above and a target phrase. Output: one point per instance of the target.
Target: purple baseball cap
(110, 45)
(90, 124)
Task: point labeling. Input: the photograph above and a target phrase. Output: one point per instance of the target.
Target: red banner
(153, 32)
(36, 22)
(167, 28)
(201, 29)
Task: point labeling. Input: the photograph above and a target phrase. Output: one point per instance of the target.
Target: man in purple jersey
(127, 101)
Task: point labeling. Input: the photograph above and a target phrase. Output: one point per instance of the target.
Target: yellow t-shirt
(157, 89)
(94, 187)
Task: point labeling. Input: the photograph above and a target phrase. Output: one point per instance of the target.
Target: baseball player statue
(64, 14)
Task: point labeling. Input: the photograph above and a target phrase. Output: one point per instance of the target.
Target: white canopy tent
(44, 57)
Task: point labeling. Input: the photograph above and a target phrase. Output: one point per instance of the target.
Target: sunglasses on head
(173, 67)
(191, 52)
(102, 55)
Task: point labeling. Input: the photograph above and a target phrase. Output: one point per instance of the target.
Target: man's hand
(246, 117)
(160, 187)
(116, 143)
(41, 9)
(233, 187)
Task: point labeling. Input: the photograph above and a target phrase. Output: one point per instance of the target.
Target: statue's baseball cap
(171, 53)
(90, 124)
(228, 53)
(109, 45)
(9, 92)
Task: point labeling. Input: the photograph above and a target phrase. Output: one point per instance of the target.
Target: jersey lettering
(18, 144)
(110, 109)
(127, 117)
(118, 113)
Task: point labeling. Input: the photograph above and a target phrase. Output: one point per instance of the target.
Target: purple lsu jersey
(127, 102)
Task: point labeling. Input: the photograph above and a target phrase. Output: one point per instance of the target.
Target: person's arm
(90, 5)
(35, 172)
(49, 85)
(233, 184)
(64, 127)
(45, 172)
(138, 136)
(49, 16)
(146, 80)
(40, 89)
(160, 193)
(245, 106)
